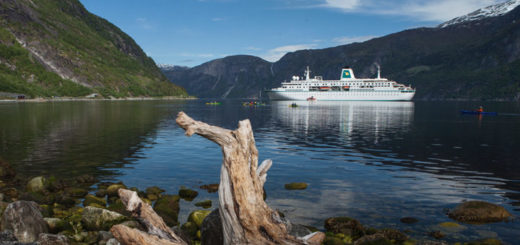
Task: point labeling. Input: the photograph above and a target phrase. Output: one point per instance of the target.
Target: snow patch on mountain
(490, 11)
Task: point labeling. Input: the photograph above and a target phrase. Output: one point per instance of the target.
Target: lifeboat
(325, 88)
(312, 98)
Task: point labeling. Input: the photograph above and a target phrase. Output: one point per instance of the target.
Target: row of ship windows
(348, 84)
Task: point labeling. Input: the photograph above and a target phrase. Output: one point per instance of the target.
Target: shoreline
(66, 99)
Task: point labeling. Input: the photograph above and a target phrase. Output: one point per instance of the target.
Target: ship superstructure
(348, 87)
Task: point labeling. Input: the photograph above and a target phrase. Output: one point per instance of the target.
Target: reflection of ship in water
(352, 120)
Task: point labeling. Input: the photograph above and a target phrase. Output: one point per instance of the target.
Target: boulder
(112, 190)
(50, 239)
(197, 217)
(204, 204)
(346, 225)
(96, 219)
(190, 229)
(296, 186)
(298, 230)
(7, 236)
(154, 190)
(112, 241)
(479, 212)
(377, 238)
(56, 224)
(90, 199)
(210, 188)
(409, 220)
(36, 184)
(25, 220)
(188, 194)
(211, 229)
(168, 208)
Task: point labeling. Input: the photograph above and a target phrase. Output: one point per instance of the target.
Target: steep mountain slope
(58, 48)
(231, 77)
(468, 60)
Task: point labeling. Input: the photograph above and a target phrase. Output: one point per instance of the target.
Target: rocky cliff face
(470, 60)
(57, 47)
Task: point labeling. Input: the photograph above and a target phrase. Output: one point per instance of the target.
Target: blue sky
(191, 32)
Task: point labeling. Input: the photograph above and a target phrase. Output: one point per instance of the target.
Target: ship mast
(378, 71)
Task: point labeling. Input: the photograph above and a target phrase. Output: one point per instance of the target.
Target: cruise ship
(348, 87)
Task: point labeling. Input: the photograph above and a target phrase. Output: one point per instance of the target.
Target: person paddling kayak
(480, 109)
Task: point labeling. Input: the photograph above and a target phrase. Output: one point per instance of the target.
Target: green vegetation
(97, 55)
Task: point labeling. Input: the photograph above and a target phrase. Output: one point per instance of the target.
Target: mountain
(57, 48)
(490, 11)
(474, 59)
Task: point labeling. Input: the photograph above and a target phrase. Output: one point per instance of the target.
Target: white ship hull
(341, 95)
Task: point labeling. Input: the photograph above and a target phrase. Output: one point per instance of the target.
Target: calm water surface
(374, 161)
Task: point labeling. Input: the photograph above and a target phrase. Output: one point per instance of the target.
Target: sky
(192, 32)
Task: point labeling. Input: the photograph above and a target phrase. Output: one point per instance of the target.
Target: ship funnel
(347, 73)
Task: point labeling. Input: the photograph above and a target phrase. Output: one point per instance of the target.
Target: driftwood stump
(158, 231)
(246, 218)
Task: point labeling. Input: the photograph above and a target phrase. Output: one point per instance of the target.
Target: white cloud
(423, 10)
(347, 40)
(217, 19)
(442, 10)
(277, 53)
(344, 5)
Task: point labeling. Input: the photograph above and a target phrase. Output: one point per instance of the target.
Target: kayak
(489, 113)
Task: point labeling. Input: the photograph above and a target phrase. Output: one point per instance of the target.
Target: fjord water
(373, 161)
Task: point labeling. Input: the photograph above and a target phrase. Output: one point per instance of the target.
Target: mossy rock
(96, 219)
(188, 194)
(409, 220)
(112, 190)
(76, 192)
(332, 240)
(449, 225)
(197, 217)
(65, 200)
(393, 235)
(479, 212)
(436, 234)
(101, 192)
(152, 197)
(375, 239)
(56, 225)
(168, 208)
(190, 229)
(154, 190)
(296, 186)
(204, 204)
(36, 184)
(119, 207)
(91, 199)
(346, 225)
(38, 197)
(211, 188)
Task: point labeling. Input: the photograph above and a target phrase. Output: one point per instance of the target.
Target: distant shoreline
(37, 100)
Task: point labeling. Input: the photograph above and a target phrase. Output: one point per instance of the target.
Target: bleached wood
(146, 216)
(129, 236)
(246, 218)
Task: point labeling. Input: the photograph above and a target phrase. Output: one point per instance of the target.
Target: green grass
(96, 51)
